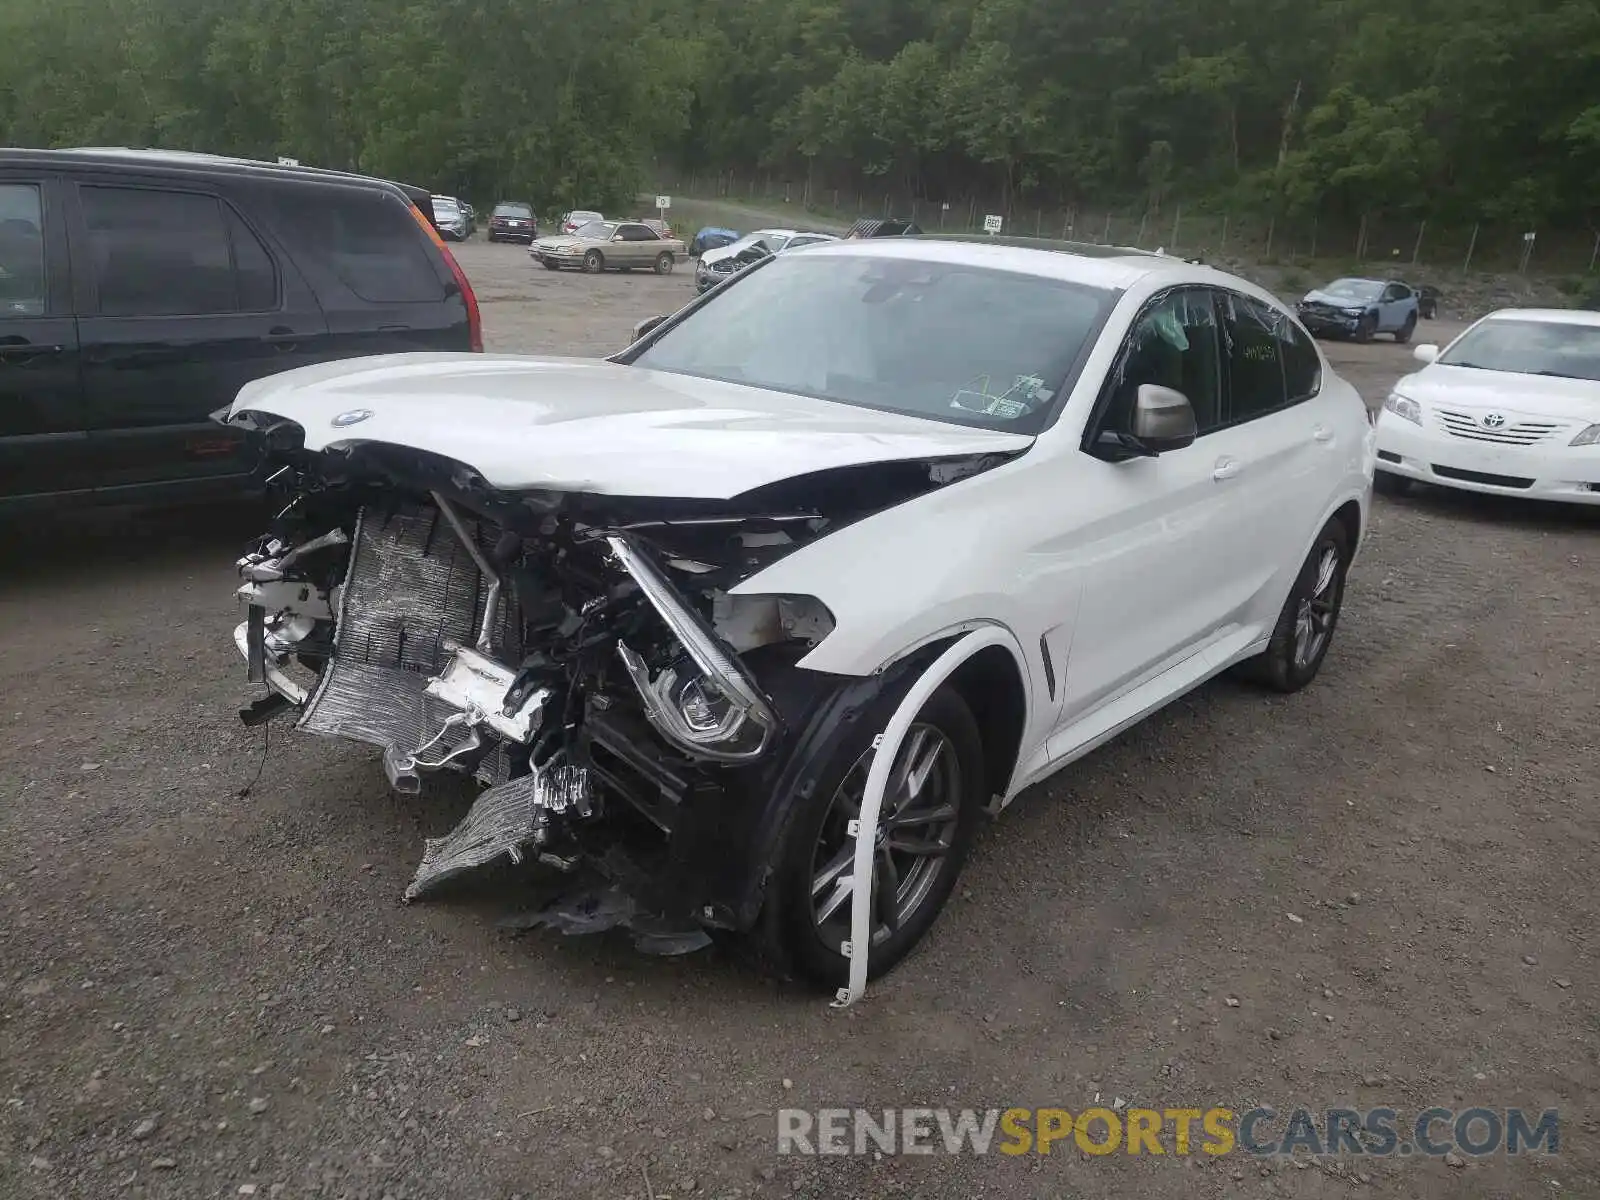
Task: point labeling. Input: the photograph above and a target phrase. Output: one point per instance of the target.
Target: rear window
(369, 239)
(513, 210)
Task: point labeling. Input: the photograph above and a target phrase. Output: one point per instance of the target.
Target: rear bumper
(1567, 474)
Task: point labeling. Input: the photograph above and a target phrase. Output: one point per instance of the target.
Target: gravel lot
(204, 993)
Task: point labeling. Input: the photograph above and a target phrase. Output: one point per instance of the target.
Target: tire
(594, 262)
(791, 937)
(550, 266)
(1365, 328)
(664, 263)
(1403, 334)
(1282, 666)
(1387, 483)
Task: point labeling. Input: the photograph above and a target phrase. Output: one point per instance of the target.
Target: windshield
(946, 341)
(1354, 289)
(596, 231)
(1559, 348)
(583, 218)
(512, 210)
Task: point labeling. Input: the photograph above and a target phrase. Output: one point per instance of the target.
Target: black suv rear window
(368, 238)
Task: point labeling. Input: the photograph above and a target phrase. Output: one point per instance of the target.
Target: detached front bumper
(1558, 472)
(1323, 322)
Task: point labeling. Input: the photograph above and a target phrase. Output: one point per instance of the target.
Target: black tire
(550, 266)
(594, 262)
(1280, 666)
(789, 937)
(1387, 483)
(664, 263)
(1365, 328)
(1403, 334)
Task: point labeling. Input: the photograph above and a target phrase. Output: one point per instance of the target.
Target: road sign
(992, 223)
(663, 202)
(288, 162)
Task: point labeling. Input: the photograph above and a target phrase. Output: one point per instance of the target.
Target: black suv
(139, 290)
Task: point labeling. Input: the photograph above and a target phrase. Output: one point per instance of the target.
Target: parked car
(603, 245)
(450, 219)
(788, 591)
(710, 238)
(721, 263)
(513, 221)
(662, 228)
(573, 221)
(1360, 308)
(1428, 302)
(1511, 407)
(139, 290)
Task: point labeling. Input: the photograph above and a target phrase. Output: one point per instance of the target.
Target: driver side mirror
(1163, 418)
(645, 326)
(617, 237)
(1425, 353)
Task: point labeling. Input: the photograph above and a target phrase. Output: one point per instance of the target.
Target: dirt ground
(205, 993)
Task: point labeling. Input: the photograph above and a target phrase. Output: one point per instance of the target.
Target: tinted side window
(638, 233)
(368, 238)
(1253, 337)
(158, 253)
(1172, 344)
(257, 273)
(1302, 368)
(21, 251)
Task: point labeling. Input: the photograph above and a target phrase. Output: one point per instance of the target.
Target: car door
(1162, 538)
(1392, 309)
(1284, 436)
(44, 442)
(181, 303)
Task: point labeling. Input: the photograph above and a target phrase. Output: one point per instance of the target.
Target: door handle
(1322, 433)
(1227, 469)
(22, 354)
(282, 338)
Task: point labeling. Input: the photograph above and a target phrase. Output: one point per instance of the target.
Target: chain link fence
(1374, 238)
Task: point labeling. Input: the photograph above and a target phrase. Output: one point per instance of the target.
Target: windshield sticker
(1018, 400)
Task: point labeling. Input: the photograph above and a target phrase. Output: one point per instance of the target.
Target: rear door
(1284, 438)
(639, 246)
(44, 442)
(181, 303)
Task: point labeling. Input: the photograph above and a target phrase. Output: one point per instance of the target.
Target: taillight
(474, 317)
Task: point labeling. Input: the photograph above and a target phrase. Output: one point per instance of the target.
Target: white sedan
(1511, 407)
(756, 617)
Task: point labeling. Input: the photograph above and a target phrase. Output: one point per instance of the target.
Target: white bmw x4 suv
(743, 627)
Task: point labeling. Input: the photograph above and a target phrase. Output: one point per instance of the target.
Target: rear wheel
(1304, 631)
(664, 263)
(594, 262)
(926, 825)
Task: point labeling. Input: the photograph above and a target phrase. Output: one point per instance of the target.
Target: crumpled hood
(1318, 296)
(1513, 395)
(596, 426)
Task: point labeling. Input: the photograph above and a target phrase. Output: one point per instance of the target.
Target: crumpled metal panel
(502, 820)
(410, 588)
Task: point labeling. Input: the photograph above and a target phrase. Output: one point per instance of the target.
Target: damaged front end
(630, 721)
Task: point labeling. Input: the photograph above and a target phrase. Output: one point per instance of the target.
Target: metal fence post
(1416, 250)
(1471, 246)
(1224, 244)
(1106, 239)
(1177, 217)
(1272, 227)
(1594, 255)
(1313, 235)
(1143, 221)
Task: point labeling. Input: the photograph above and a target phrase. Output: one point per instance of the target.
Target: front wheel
(1304, 631)
(664, 263)
(925, 827)
(594, 262)
(1403, 334)
(1365, 328)
(550, 266)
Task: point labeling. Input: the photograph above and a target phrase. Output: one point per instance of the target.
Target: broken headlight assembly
(704, 702)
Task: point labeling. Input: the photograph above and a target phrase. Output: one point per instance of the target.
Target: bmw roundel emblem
(1494, 420)
(354, 417)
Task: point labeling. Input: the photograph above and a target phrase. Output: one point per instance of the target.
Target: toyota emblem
(354, 417)
(1494, 420)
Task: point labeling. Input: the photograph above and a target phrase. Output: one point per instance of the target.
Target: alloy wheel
(1315, 615)
(916, 833)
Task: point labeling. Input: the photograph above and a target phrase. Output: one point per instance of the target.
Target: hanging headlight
(704, 703)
